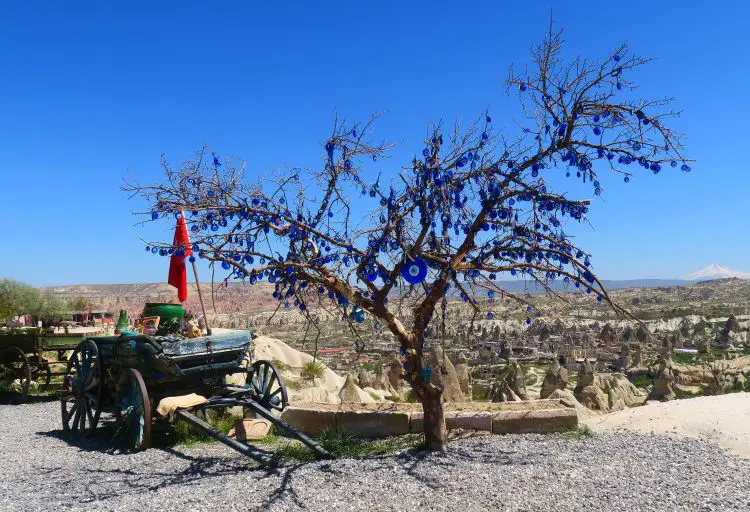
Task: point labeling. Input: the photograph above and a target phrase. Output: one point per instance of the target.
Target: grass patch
(342, 444)
(313, 370)
(293, 384)
(281, 365)
(183, 434)
(579, 434)
(642, 381)
(680, 393)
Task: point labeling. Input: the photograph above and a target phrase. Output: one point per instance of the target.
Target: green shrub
(313, 370)
(679, 393)
(642, 381)
(580, 433)
(281, 365)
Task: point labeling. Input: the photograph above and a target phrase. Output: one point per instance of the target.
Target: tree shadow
(112, 483)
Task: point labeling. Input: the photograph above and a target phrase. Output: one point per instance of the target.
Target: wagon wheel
(81, 394)
(41, 373)
(268, 384)
(134, 409)
(15, 372)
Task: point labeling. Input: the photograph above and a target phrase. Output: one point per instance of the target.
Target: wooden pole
(200, 296)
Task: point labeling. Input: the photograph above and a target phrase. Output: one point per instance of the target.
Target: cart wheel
(41, 374)
(15, 373)
(135, 409)
(81, 394)
(268, 384)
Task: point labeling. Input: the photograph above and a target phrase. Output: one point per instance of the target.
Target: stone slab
(251, 429)
(539, 422)
(373, 424)
(309, 421)
(456, 420)
(469, 421)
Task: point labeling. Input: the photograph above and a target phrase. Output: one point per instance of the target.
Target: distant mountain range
(239, 295)
(715, 271)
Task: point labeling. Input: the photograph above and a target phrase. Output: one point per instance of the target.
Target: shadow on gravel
(15, 399)
(100, 442)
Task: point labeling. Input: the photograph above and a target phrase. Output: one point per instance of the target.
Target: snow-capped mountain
(715, 272)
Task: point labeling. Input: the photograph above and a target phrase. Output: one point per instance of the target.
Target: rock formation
(720, 381)
(464, 376)
(444, 374)
(663, 380)
(608, 336)
(348, 393)
(637, 350)
(556, 378)
(383, 383)
(395, 374)
(623, 363)
(642, 335)
(510, 385)
(621, 393)
(587, 392)
(516, 381)
(728, 337)
(366, 379)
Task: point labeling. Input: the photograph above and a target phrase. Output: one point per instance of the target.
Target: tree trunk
(435, 433)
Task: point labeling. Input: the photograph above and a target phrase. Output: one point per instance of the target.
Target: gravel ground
(618, 471)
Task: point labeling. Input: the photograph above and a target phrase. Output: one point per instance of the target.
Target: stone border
(384, 423)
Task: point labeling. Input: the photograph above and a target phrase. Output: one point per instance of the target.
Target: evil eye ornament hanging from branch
(414, 271)
(357, 314)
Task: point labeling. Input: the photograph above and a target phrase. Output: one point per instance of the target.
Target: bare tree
(471, 208)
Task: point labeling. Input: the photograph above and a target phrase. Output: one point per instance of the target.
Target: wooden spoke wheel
(268, 385)
(15, 373)
(81, 394)
(134, 409)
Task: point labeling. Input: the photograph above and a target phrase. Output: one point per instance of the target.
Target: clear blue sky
(94, 92)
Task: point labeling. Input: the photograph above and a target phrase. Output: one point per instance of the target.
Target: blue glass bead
(490, 315)
(192, 259)
(597, 130)
(148, 248)
(154, 216)
(225, 265)
(523, 87)
(414, 272)
(627, 179)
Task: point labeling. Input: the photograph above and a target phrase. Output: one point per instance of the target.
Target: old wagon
(29, 358)
(126, 377)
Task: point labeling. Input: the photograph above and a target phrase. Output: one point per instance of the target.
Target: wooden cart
(126, 377)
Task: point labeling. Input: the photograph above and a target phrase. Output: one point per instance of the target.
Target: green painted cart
(30, 358)
(125, 378)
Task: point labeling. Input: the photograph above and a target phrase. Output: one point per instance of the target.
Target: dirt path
(723, 419)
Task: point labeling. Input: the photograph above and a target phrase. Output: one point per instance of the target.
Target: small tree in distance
(470, 209)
